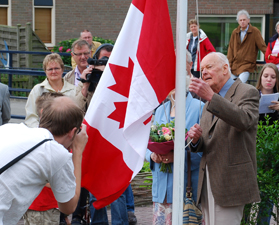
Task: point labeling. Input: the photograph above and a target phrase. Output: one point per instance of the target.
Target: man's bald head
(61, 115)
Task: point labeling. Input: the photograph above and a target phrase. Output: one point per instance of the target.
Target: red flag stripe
(140, 4)
(157, 60)
(97, 153)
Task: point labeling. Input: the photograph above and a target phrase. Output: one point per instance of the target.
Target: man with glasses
(80, 53)
(50, 162)
(93, 45)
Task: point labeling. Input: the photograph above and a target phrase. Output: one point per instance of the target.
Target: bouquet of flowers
(161, 141)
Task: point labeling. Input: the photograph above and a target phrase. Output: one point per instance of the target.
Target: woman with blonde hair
(54, 82)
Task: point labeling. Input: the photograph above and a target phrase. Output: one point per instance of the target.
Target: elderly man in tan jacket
(244, 45)
(227, 138)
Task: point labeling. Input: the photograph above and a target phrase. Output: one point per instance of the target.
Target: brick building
(56, 20)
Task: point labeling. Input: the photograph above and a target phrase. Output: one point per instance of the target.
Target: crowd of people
(222, 130)
(224, 173)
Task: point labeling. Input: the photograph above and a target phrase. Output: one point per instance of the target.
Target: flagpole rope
(199, 52)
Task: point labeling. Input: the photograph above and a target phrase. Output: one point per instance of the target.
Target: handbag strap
(189, 186)
(22, 155)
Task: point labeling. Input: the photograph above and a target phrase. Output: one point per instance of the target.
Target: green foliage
(267, 170)
(38, 80)
(145, 168)
(103, 41)
(65, 46)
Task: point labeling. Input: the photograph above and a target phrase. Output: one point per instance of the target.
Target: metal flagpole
(180, 93)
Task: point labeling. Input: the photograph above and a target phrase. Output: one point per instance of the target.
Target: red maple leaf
(123, 78)
(119, 113)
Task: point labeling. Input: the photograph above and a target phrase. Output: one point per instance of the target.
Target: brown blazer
(228, 144)
(243, 55)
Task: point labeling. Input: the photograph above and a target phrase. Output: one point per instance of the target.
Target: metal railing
(10, 70)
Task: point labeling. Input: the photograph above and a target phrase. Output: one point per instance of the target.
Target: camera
(94, 77)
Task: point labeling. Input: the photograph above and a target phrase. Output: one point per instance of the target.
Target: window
(219, 28)
(43, 24)
(44, 21)
(4, 15)
(5, 12)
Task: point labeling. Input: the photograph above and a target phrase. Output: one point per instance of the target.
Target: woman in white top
(53, 67)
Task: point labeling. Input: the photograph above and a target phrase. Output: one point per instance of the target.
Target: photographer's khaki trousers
(51, 217)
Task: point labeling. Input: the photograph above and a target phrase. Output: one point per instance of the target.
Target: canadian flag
(139, 75)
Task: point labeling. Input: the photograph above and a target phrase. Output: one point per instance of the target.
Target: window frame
(9, 12)
(52, 44)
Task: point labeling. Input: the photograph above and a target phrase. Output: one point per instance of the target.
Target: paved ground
(143, 214)
(17, 108)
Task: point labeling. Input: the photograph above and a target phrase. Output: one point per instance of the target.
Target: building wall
(21, 11)
(220, 7)
(104, 18)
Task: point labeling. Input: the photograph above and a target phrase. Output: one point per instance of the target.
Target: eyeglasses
(80, 54)
(51, 69)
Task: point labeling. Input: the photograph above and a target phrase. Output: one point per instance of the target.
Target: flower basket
(161, 147)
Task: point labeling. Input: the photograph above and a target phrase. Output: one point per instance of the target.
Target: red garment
(44, 201)
(271, 59)
(205, 48)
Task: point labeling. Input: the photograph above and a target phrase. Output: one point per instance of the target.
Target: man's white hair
(223, 59)
(276, 26)
(242, 12)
